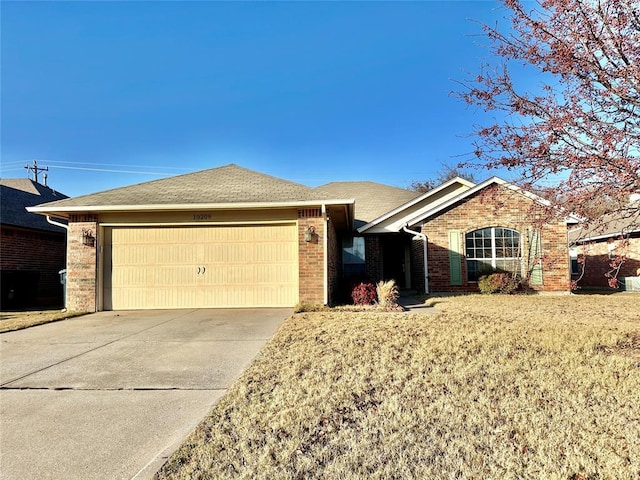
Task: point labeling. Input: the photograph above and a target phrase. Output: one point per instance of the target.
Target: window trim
(493, 258)
(360, 265)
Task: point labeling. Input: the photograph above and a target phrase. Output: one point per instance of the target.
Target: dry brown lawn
(525, 387)
(10, 321)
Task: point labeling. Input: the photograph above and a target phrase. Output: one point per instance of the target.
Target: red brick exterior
(36, 256)
(496, 206)
(600, 258)
(373, 257)
(82, 264)
(311, 257)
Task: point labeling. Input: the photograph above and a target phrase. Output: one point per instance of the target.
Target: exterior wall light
(88, 238)
(310, 233)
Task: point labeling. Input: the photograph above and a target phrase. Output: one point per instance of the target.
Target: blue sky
(308, 91)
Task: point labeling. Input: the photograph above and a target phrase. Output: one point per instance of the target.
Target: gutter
(51, 210)
(425, 240)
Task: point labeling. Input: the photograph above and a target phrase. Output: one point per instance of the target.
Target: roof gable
(18, 193)
(481, 186)
(394, 220)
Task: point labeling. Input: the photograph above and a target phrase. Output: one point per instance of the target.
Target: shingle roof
(372, 199)
(18, 193)
(624, 222)
(227, 184)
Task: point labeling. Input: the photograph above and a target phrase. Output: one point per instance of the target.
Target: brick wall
(599, 257)
(40, 252)
(373, 257)
(311, 257)
(496, 206)
(81, 264)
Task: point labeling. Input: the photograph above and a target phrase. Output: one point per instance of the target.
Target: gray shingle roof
(18, 193)
(621, 223)
(221, 185)
(372, 199)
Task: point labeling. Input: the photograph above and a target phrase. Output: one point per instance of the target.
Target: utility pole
(36, 169)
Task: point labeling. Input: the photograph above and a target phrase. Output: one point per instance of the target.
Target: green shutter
(455, 258)
(534, 263)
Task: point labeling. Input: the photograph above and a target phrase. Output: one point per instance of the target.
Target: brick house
(32, 251)
(232, 237)
(445, 239)
(606, 254)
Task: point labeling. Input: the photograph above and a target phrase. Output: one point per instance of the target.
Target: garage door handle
(198, 270)
(204, 269)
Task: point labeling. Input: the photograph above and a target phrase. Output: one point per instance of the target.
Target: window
(575, 266)
(353, 257)
(491, 249)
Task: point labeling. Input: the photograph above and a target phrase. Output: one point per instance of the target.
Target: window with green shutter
(492, 249)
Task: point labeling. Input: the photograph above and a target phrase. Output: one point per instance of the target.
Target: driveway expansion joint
(89, 351)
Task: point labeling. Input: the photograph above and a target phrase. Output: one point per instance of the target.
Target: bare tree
(446, 173)
(581, 126)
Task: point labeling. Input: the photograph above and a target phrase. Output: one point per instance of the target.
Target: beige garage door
(213, 266)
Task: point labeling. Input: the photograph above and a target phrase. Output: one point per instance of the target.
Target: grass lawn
(10, 321)
(496, 387)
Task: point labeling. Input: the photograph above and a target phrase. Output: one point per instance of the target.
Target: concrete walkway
(113, 394)
(415, 304)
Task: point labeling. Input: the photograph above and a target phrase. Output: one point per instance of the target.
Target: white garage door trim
(200, 266)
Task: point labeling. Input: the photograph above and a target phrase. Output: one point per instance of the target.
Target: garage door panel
(187, 267)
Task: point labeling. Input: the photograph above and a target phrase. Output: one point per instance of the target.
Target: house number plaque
(202, 216)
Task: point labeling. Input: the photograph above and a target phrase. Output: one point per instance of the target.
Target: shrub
(498, 283)
(364, 294)
(387, 293)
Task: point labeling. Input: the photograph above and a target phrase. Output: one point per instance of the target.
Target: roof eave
(65, 211)
(414, 201)
(477, 188)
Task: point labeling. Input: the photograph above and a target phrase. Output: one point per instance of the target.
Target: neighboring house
(232, 237)
(606, 254)
(32, 251)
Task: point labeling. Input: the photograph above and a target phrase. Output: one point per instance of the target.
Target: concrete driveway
(112, 394)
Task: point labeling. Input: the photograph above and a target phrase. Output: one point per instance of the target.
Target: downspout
(66, 227)
(424, 249)
(325, 242)
(57, 224)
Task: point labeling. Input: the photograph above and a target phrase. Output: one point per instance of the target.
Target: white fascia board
(186, 206)
(415, 201)
(475, 189)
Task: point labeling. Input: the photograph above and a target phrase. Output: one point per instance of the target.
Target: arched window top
(492, 248)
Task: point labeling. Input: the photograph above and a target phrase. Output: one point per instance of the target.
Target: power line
(64, 162)
(109, 170)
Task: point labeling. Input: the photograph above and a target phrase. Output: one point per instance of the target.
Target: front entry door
(395, 260)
